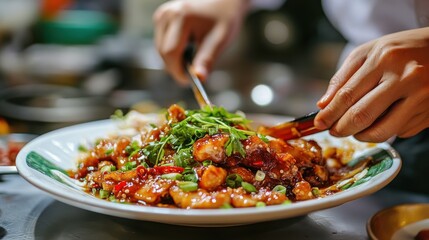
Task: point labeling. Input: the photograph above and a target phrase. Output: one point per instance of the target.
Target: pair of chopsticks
(198, 89)
(299, 127)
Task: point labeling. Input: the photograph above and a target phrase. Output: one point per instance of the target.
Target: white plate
(60, 148)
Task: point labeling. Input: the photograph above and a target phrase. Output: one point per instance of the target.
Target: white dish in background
(60, 147)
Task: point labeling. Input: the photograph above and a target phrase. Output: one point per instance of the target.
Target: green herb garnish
(197, 124)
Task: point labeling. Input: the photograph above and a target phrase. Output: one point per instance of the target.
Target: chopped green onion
(134, 146)
(287, 202)
(280, 189)
(207, 163)
(112, 198)
(259, 176)
(315, 191)
(129, 166)
(109, 151)
(346, 186)
(106, 168)
(104, 193)
(248, 187)
(226, 206)
(187, 186)
(260, 204)
(172, 176)
(234, 180)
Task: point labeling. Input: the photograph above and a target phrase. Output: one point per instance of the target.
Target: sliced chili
(141, 172)
(118, 187)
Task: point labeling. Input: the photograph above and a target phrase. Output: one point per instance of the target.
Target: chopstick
(197, 87)
(299, 127)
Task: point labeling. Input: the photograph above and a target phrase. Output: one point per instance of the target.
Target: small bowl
(386, 223)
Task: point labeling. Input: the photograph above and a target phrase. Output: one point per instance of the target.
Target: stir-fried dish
(210, 158)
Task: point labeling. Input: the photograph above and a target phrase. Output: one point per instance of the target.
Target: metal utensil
(8, 170)
(299, 127)
(198, 89)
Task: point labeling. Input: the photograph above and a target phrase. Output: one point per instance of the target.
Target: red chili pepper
(258, 163)
(118, 187)
(141, 172)
(168, 169)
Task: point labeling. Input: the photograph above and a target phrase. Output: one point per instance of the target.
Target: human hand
(210, 24)
(381, 90)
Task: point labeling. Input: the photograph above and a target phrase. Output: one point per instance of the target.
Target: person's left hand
(381, 90)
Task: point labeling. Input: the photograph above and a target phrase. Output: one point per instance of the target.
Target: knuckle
(361, 118)
(326, 116)
(389, 52)
(346, 96)
(416, 70)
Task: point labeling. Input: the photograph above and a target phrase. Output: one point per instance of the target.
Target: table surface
(28, 213)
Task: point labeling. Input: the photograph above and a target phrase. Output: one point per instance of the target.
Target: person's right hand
(210, 24)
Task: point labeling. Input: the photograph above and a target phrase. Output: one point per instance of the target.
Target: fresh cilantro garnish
(197, 124)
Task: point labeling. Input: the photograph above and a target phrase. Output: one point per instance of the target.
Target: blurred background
(64, 62)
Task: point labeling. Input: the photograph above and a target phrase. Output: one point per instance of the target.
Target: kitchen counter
(29, 213)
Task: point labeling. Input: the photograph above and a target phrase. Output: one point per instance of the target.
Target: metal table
(28, 213)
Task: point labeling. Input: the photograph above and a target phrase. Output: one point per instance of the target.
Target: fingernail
(323, 98)
(201, 72)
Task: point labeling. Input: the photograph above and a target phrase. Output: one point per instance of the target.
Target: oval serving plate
(44, 160)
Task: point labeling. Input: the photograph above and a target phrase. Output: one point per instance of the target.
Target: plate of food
(205, 167)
